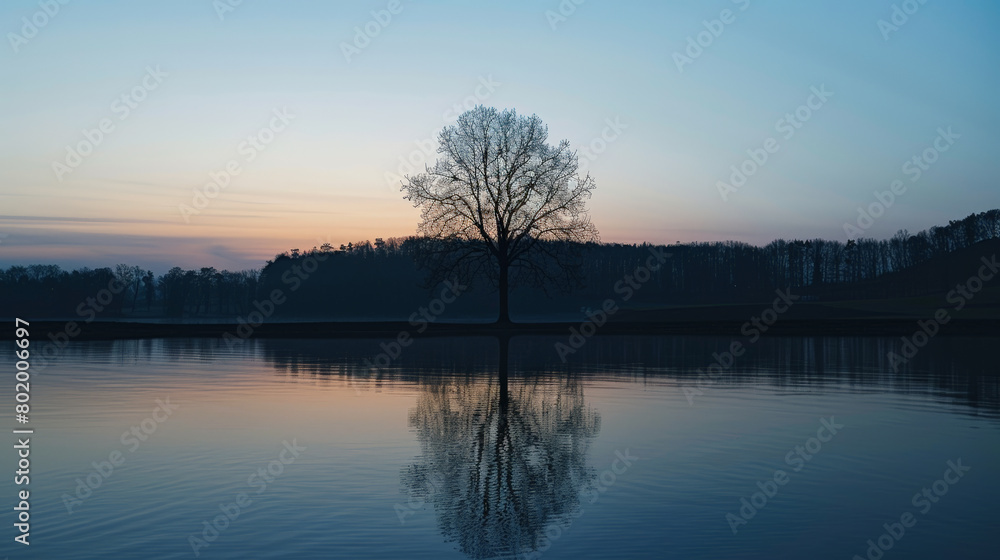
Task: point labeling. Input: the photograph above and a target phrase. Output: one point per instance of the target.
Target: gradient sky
(323, 178)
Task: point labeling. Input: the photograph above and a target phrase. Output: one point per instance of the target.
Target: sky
(315, 108)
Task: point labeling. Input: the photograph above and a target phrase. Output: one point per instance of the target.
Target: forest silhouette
(385, 281)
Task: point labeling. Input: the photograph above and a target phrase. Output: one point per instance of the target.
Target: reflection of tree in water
(501, 461)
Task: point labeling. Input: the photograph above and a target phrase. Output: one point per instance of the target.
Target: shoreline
(874, 327)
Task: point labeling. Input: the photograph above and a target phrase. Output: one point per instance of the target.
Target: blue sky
(324, 175)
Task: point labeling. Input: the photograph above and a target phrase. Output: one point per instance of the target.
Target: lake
(800, 447)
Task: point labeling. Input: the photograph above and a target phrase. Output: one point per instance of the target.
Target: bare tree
(502, 203)
(502, 461)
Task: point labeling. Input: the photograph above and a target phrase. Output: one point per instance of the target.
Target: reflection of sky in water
(371, 436)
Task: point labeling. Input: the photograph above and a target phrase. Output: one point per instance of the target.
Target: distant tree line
(47, 291)
(383, 279)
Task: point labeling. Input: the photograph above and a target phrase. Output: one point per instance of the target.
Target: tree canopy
(502, 203)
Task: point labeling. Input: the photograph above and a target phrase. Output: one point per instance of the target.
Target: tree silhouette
(502, 203)
(500, 464)
(149, 281)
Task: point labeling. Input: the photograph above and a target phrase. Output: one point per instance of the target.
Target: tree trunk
(504, 296)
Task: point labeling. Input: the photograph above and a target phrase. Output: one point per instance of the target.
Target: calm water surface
(451, 452)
